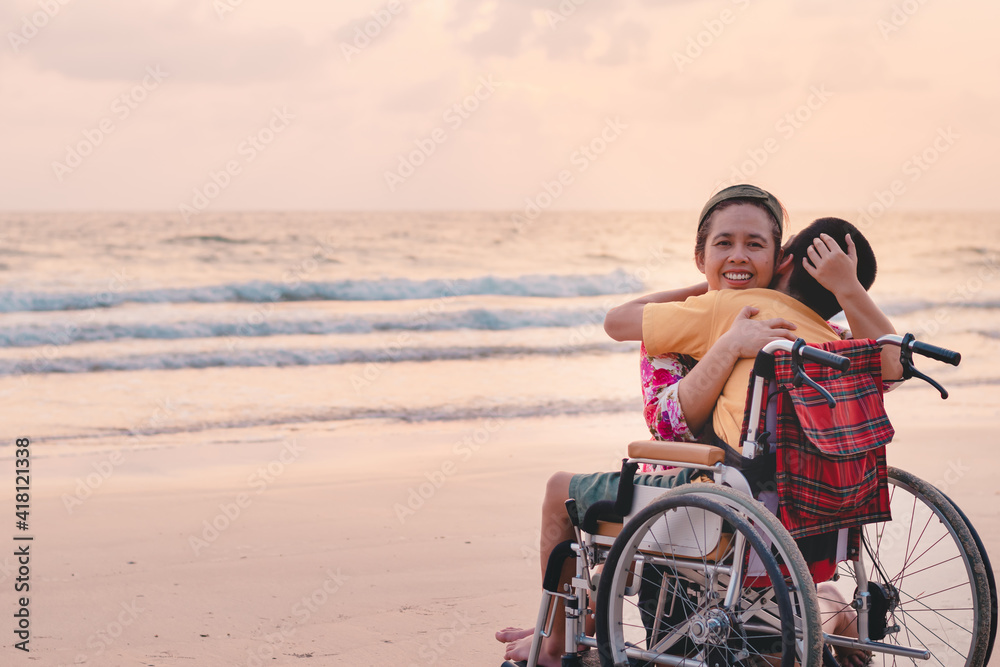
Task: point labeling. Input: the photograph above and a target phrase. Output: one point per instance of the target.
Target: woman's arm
(624, 322)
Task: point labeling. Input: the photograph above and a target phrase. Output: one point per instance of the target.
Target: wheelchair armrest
(553, 569)
(613, 511)
(694, 453)
(603, 511)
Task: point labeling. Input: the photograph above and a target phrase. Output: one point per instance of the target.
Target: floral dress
(661, 408)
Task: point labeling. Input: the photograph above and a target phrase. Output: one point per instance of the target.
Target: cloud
(118, 39)
(419, 98)
(628, 43)
(375, 25)
(581, 31)
(487, 29)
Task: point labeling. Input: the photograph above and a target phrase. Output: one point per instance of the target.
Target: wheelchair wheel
(990, 577)
(802, 589)
(928, 586)
(675, 588)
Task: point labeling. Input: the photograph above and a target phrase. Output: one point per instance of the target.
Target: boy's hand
(832, 267)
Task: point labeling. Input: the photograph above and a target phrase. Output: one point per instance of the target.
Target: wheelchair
(705, 575)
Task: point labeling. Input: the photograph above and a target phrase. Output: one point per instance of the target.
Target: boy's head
(807, 289)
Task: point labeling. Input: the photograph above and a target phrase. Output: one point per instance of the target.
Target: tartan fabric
(857, 423)
(831, 467)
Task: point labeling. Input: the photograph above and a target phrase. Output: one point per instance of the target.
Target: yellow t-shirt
(692, 327)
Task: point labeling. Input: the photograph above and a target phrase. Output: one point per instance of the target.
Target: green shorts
(589, 489)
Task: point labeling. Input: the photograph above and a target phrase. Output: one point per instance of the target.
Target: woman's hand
(832, 267)
(698, 392)
(747, 336)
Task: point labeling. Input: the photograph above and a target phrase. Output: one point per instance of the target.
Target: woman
(738, 246)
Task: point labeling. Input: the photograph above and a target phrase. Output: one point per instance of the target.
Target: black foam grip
(763, 365)
(935, 352)
(825, 358)
(574, 514)
(603, 510)
(626, 488)
(553, 569)
(607, 510)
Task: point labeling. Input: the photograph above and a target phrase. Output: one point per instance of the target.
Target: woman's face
(739, 249)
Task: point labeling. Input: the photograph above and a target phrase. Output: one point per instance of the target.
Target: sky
(193, 105)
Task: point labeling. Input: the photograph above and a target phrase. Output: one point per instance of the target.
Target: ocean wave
(207, 238)
(897, 308)
(481, 319)
(386, 289)
(239, 358)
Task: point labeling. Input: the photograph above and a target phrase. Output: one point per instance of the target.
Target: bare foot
(509, 634)
(520, 649)
(844, 620)
(849, 657)
(853, 658)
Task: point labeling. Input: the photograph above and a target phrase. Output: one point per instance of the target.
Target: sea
(117, 326)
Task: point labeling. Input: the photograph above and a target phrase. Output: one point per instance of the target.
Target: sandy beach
(302, 303)
(359, 543)
(350, 473)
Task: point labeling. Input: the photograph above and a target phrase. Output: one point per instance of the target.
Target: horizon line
(925, 209)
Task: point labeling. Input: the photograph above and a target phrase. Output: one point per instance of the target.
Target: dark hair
(704, 228)
(807, 289)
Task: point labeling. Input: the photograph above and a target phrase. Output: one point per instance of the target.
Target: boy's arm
(624, 322)
(837, 272)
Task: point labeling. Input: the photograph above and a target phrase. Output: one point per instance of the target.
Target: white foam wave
(482, 319)
(915, 306)
(388, 289)
(240, 358)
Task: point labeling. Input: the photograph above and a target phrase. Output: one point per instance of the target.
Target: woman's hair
(705, 224)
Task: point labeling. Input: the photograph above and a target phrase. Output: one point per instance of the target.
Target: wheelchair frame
(729, 497)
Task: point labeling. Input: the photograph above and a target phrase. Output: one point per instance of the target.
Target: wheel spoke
(939, 563)
(936, 636)
(927, 608)
(716, 612)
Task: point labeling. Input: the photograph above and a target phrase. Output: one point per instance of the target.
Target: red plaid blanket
(831, 467)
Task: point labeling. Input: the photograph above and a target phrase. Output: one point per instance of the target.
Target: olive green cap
(744, 191)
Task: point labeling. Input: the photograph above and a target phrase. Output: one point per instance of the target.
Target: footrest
(680, 452)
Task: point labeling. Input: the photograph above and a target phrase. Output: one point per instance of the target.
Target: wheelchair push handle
(908, 342)
(908, 345)
(935, 352)
(834, 361)
(800, 350)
